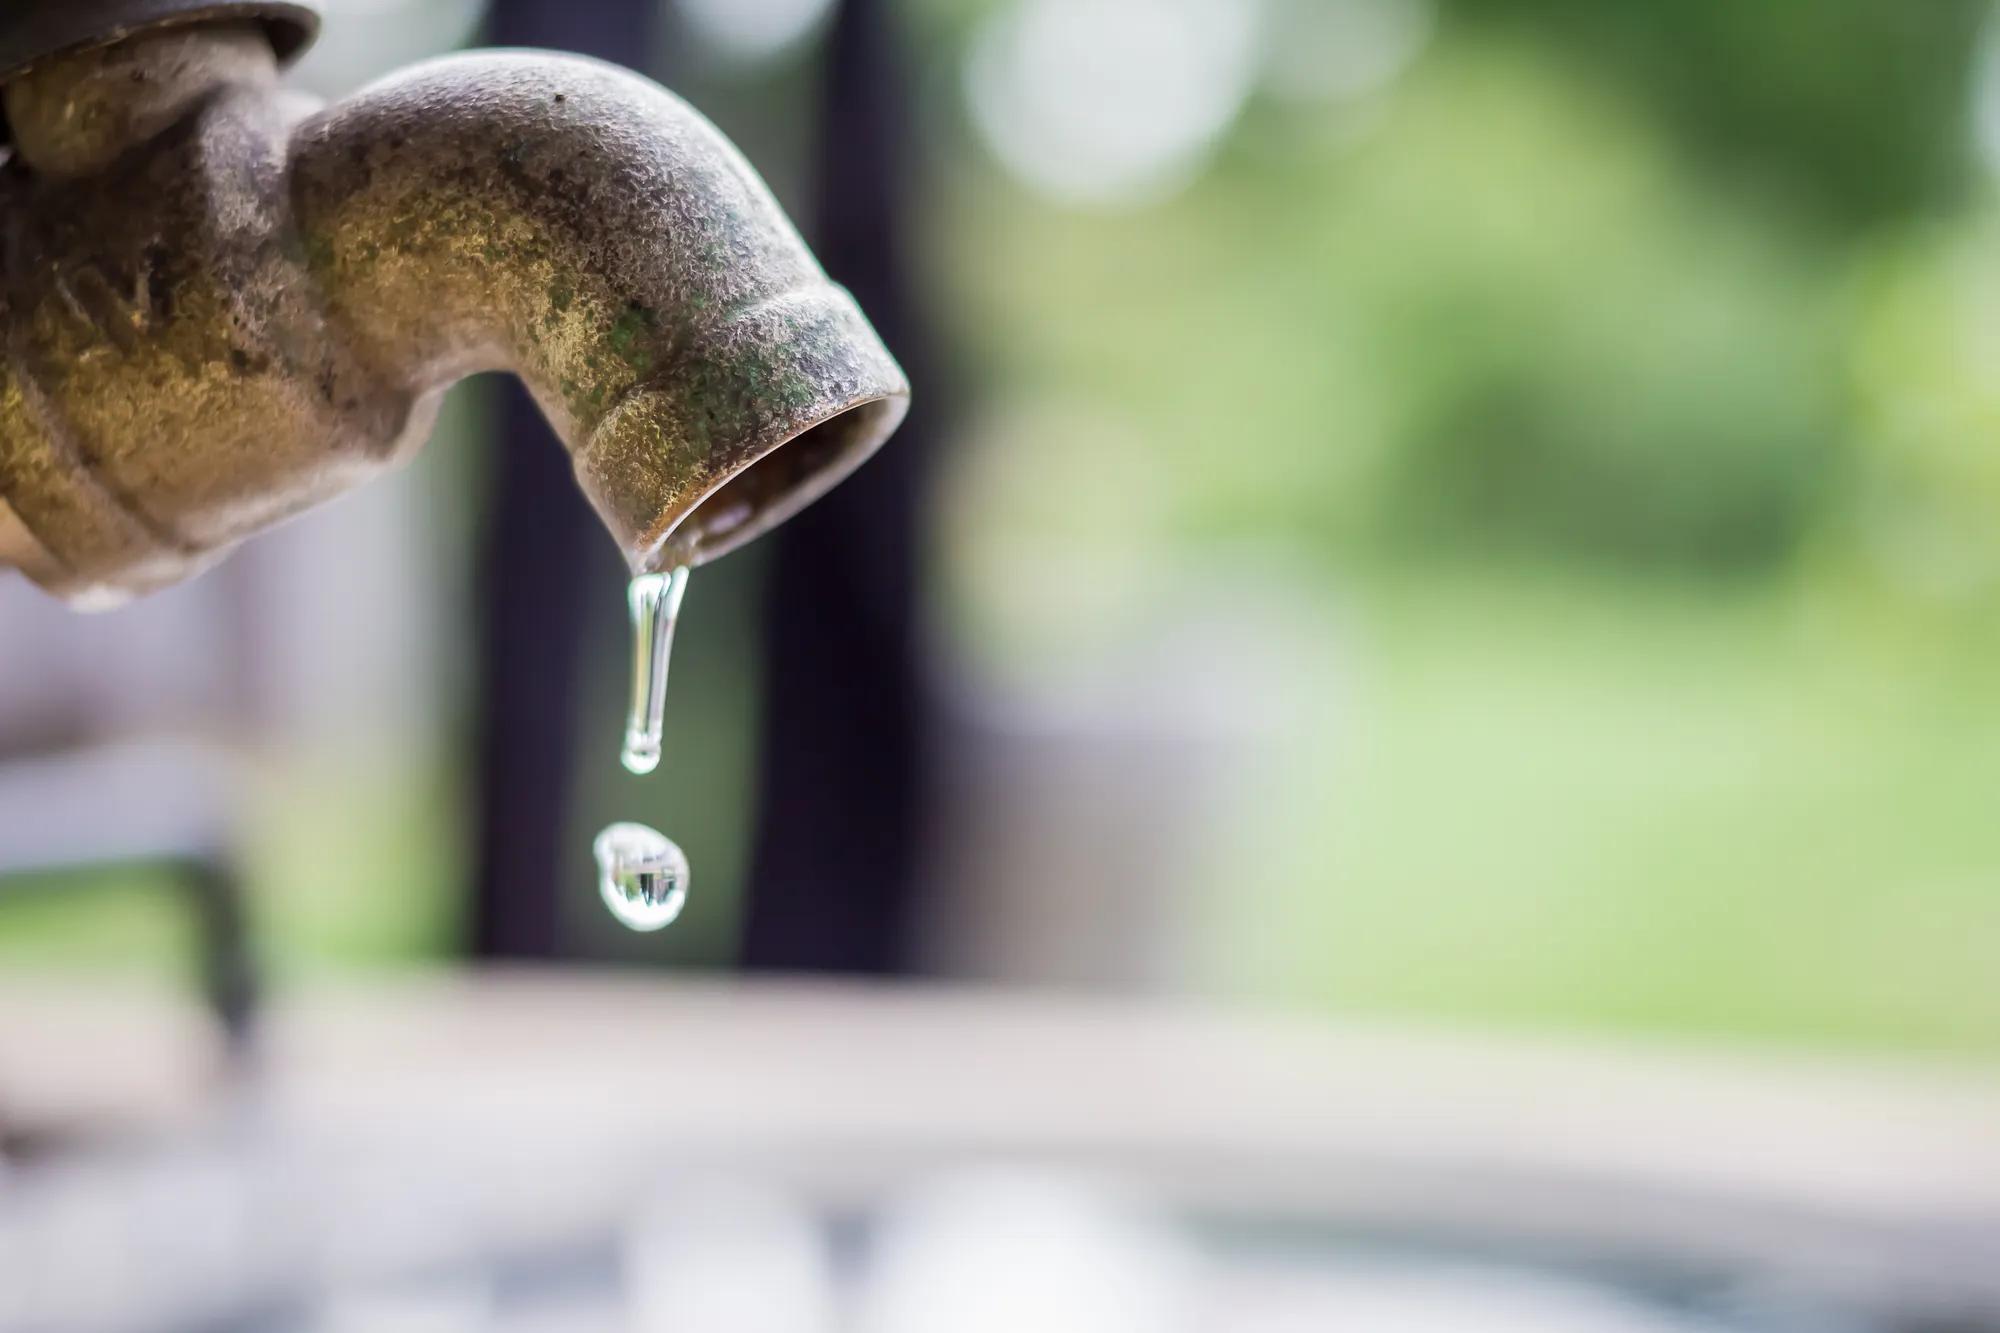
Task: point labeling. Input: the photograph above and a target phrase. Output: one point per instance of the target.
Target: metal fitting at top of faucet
(223, 304)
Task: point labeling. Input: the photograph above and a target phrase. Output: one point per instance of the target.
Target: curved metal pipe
(587, 230)
(218, 316)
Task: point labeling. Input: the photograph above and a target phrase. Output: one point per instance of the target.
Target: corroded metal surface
(33, 30)
(20, 550)
(261, 307)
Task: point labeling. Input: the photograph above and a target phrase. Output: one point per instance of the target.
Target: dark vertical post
(539, 556)
(228, 963)
(841, 813)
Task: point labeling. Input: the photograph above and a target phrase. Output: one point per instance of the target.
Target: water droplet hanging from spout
(655, 603)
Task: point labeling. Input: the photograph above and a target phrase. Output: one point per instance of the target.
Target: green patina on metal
(630, 337)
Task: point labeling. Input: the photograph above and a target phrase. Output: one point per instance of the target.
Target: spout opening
(751, 419)
(778, 482)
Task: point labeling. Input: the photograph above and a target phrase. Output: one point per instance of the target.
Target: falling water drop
(642, 875)
(655, 603)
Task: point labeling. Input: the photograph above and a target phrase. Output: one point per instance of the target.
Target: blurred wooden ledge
(602, 1081)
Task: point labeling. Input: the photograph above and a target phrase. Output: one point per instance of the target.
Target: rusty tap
(224, 303)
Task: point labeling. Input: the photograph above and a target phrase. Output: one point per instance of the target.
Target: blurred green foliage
(1621, 378)
(1552, 800)
(1857, 108)
(1509, 317)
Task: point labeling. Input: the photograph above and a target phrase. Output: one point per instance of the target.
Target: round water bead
(641, 754)
(642, 875)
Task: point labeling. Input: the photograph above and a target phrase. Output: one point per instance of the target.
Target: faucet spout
(587, 230)
(223, 303)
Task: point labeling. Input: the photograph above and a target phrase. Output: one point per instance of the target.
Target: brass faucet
(224, 303)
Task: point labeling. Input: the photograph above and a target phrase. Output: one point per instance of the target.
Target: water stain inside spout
(642, 875)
